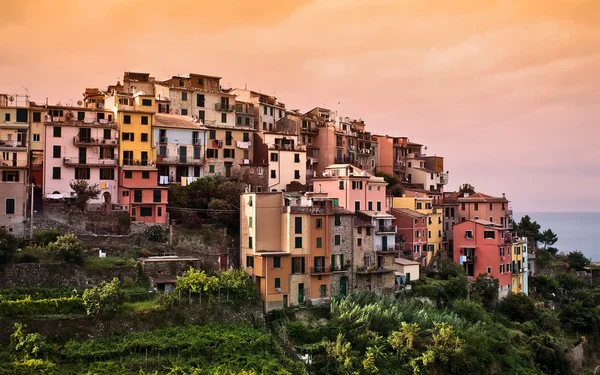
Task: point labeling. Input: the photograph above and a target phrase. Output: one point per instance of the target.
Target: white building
(287, 161)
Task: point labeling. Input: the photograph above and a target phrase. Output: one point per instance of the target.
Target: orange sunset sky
(508, 91)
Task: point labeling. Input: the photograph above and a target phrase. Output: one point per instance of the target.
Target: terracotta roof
(362, 222)
(176, 121)
(408, 212)
(376, 214)
(480, 197)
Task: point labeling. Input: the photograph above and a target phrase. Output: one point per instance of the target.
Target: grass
(143, 306)
(108, 262)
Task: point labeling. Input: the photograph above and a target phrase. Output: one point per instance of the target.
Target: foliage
(68, 248)
(529, 229)
(543, 258)
(26, 346)
(85, 192)
(123, 223)
(448, 268)
(466, 188)
(157, 233)
(548, 238)
(108, 262)
(471, 311)
(43, 237)
(577, 260)
(11, 294)
(518, 307)
(48, 306)
(106, 299)
(393, 183)
(544, 284)
(569, 282)
(8, 246)
(236, 282)
(485, 288)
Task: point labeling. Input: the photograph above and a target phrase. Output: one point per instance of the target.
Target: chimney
(503, 195)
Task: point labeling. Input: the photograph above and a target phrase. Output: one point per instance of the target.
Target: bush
(544, 284)
(43, 237)
(8, 246)
(470, 310)
(49, 306)
(67, 248)
(106, 299)
(518, 307)
(156, 233)
(27, 346)
(569, 282)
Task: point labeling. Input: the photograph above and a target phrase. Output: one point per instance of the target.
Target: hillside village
(164, 211)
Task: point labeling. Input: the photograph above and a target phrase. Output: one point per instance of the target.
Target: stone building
(342, 247)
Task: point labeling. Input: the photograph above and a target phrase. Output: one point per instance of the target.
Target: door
(343, 286)
(384, 243)
(301, 294)
(223, 262)
(228, 169)
(182, 154)
(162, 136)
(144, 157)
(82, 155)
(285, 301)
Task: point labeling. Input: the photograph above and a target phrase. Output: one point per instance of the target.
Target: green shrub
(68, 248)
(518, 307)
(106, 299)
(470, 310)
(49, 306)
(43, 237)
(8, 246)
(156, 233)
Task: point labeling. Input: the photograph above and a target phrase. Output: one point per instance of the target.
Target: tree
(544, 284)
(577, 260)
(67, 248)
(43, 237)
(8, 246)
(85, 192)
(543, 258)
(518, 307)
(485, 287)
(393, 186)
(106, 299)
(528, 228)
(466, 189)
(548, 238)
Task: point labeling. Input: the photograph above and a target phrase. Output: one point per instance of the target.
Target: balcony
(309, 131)
(385, 249)
(444, 178)
(13, 164)
(287, 147)
(364, 270)
(321, 270)
(138, 163)
(385, 229)
(364, 151)
(399, 166)
(196, 141)
(471, 258)
(242, 110)
(91, 162)
(340, 268)
(88, 141)
(179, 160)
(224, 107)
(12, 145)
(93, 123)
(163, 140)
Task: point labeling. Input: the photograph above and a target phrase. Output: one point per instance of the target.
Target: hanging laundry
(164, 180)
(243, 145)
(215, 143)
(108, 184)
(183, 181)
(102, 185)
(220, 144)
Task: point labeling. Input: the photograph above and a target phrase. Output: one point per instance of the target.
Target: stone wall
(37, 275)
(345, 230)
(61, 214)
(83, 328)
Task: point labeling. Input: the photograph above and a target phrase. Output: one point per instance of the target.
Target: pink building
(481, 206)
(80, 144)
(411, 231)
(145, 201)
(353, 188)
(480, 247)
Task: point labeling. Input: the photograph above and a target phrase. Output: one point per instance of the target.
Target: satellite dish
(79, 102)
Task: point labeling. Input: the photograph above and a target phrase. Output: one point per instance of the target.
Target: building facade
(411, 235)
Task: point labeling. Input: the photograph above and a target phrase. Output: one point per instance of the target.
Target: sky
(507, 91)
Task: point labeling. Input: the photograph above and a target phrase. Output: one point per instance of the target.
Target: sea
(575, 230)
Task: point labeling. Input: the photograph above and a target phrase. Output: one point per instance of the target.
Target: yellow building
(517, 266)
(435, 220)
(228, 147)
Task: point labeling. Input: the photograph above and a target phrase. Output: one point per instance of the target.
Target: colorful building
(353, 188)
(181, 149)
(287, 161)
(411, 235)
(480, 206)
(519, 265)
(81, 144)
(14, 163)
(484, 247)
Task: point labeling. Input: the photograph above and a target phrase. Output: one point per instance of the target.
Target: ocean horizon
(575, 230)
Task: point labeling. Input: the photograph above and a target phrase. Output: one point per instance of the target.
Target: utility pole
(31, 213)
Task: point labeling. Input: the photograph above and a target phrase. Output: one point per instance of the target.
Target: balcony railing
(138, 163)
(224, 107)
(89, 141)
(444, 178)
(163, 159)
(340, 267)
(12, 144)
(196, 141)
(102, 123)
(163, 140)
(372, 269)
(385, 229)
(385, 248)
(10, 164)
(89, 161)
(320, 270)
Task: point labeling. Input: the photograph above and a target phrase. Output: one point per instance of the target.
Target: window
(368, 231)
(125, 193)
(249, 261)
(501, 251)
(416, 234)
(128, 174)
(184, 112)
(145, 211)
(502, 268)
(107, 174)
(200, 100)
(106, 134)
(491, 219)
(147, 102)
(128, 137)
(56, 173)
(489, 270)
(439, 233)
(246, 137)
(247, 121)
(158, 211)
(56, 152)
(228, 138)
(211, 168)
(296, 158)
(378, 206)
(157, 196)
(428, 234)
(184, 96)
(469, 234)
(419, 205)
(337, 220)
(508, 267)
(277, 283)
(359, 230)
(274, 156)
(319, 223)
(82, 173)
(370, 206)
(126, 119)
(144, 120)
(337, 240)
(277, 262)
(319, 242)
(359, 242)
(297, 175)
(37, 116)
(298, 225)
(7, 117)
(273, 173)
(239, 120)
(212, 153)
(476, 207)
(57, 132)
(341, 185)
(144, 137)
(489, 234)
(229, 153)
(36, 137)
(137, 196)
(298, 265)
(323, 290)
(357, 206)
(271, 111)
(10, 206)
(224, 118)
(212, 134)
(265, 109)
(298, 243)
